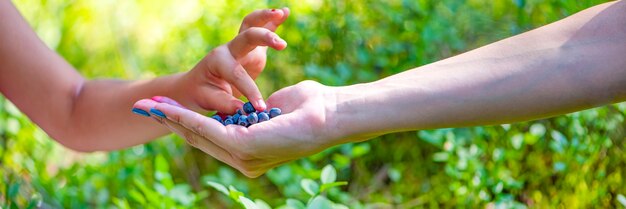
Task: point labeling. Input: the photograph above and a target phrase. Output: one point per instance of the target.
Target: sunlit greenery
(572, 161)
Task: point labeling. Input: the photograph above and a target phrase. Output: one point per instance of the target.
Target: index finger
(263, 18)
(230, 70)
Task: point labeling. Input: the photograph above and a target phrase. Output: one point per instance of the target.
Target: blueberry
(228, 121)
(263, 117)
(275, 112)
(236, 117)
(239, 112)
(243, 121)
(248, 108)
(217, 118)
(253, 118)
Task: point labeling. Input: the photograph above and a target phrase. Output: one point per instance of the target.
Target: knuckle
(190, 138)
(159, 120)
(175, 117)
(197, 128)
(239, 74)
(255, 33)
(248, 35)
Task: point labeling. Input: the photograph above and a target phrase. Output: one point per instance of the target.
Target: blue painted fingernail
(141, 112)
(157, 112)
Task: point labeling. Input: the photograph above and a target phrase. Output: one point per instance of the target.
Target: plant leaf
(261, 204)
(329, 175)
(320, 202)
(218, 187)
(621, 199)
(311, 187)
(247, 203)
(295, 204)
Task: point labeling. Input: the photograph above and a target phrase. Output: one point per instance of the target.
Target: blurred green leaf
(334, 43)
(295, 204)
(261, 204)
(218, 187)
(320, 202)
(621, 199)
(329, 175)
(247, 203)
(310, 186)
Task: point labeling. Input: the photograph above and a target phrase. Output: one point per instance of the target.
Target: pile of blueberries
(248, 117)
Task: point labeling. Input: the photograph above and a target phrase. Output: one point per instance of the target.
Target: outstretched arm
(90, 115)
(570, 65)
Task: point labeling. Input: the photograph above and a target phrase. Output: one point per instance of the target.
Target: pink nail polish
(157, 98)
(162, 99)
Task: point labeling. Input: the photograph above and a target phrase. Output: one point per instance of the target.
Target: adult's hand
(306, 127)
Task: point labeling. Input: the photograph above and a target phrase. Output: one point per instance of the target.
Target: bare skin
(72, 109)
(570, 65)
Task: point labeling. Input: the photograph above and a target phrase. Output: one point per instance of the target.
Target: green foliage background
(572, 161)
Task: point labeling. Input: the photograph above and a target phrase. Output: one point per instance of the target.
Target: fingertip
(144, 104)
(278, 43)
(277, 13)
(273, 15)
(260, 105)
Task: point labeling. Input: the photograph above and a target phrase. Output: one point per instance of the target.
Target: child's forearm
(83, 115)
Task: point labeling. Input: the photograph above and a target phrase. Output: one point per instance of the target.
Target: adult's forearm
(570, 65)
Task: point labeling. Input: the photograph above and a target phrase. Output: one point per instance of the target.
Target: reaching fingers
(230, 70)
(253, 37)
(262, 18)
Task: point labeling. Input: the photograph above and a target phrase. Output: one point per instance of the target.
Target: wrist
(177, 87)
(353, 113)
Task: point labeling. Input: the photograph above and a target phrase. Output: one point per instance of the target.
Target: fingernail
(278, 40)
(157, 112)
(261, 104)
(141, 112)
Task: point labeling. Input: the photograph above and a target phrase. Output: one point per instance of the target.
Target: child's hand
(217, 80)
